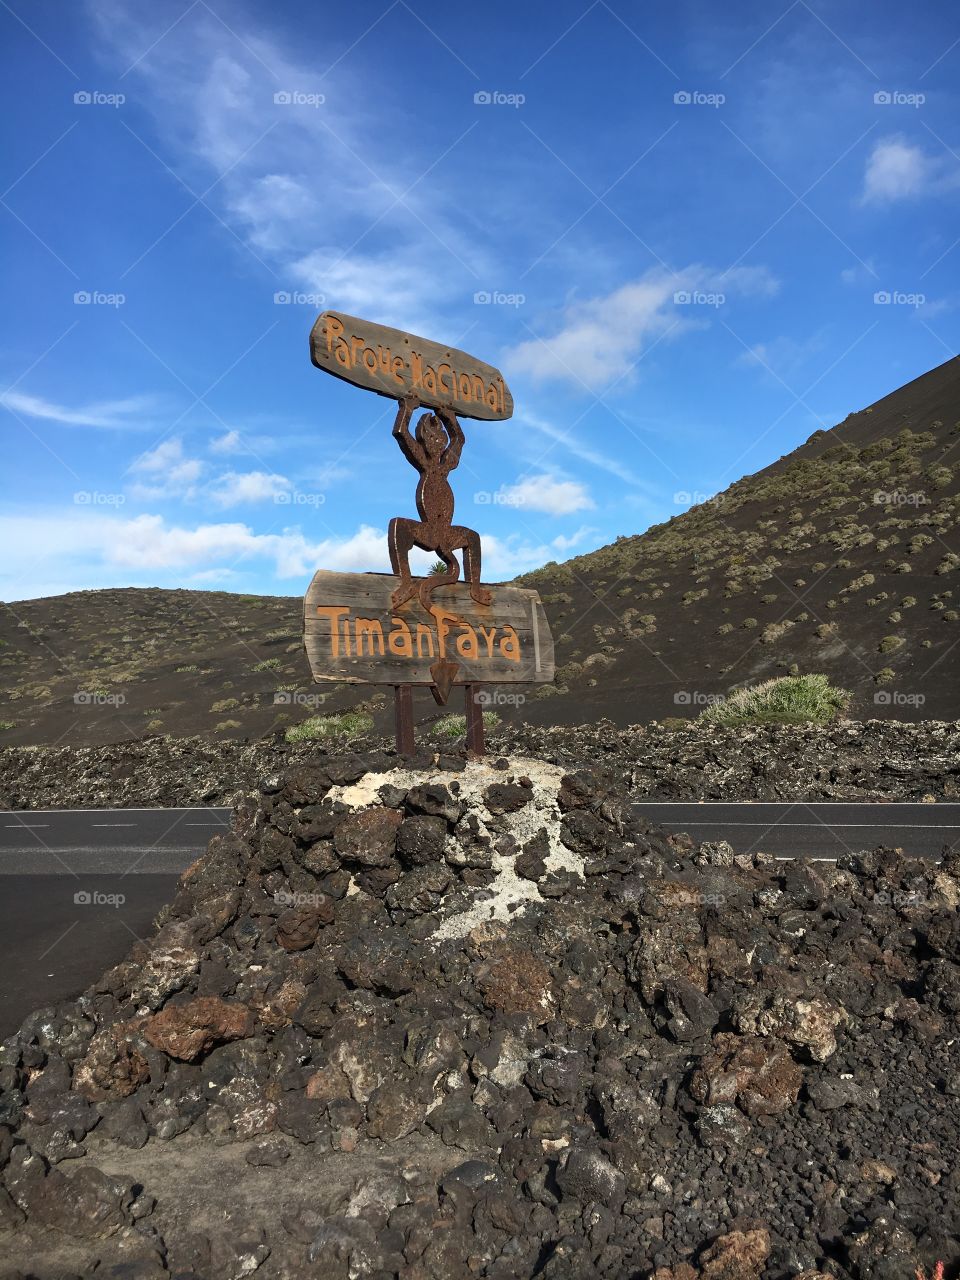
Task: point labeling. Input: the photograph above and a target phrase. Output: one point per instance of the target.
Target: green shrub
(809, 699)
(268, 664)
(182, 671)
(890, 644)
(456, 726)
(225, 704)
(7, 724)
(346, 724)
(226, 724)
(885, 675)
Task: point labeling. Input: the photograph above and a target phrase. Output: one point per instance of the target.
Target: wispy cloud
(166, 471)
(600, 338)
(312, 184)
(134, 411)
(234, 488)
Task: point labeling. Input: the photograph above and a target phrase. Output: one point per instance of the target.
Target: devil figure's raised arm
(411, 447)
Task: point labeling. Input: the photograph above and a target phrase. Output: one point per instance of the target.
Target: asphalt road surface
(78, 887)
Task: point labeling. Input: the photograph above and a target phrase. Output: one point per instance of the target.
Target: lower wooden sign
(353, 634)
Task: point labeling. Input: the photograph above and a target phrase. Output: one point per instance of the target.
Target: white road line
(113, 824)
(26, 826)
(832, 826)
(205, 824)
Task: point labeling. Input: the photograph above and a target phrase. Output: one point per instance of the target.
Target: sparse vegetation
(347, 724)
(802, 699)
(455, 726)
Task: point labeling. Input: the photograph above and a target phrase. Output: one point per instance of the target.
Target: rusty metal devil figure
(434, 450)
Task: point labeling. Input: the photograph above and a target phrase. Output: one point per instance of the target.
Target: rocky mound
(477, 1019)
(874, 760)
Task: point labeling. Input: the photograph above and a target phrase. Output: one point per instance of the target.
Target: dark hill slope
(841, 557)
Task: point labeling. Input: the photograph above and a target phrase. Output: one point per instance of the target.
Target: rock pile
(478, 1019)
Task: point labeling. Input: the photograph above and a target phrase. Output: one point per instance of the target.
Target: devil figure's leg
(470, 542)
(401, 537)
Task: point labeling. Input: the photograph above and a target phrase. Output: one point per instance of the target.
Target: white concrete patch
(508, 893)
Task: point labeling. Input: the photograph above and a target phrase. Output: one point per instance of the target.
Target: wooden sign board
(395, 364)
(353, 634)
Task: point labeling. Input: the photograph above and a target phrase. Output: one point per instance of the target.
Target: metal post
(403, 718)
(474, 714)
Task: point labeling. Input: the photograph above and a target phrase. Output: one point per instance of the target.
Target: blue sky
(669, 225)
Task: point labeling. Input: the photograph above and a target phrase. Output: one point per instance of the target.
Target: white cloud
(101, 413)
(167, 472)
(229, 442)
(601, 338)
(898, 170)
(234, 488)
(546, 493)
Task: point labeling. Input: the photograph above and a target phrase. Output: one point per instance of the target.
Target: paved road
(77, 887)
(814, 830)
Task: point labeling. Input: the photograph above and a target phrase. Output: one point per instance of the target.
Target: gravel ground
(851, 760)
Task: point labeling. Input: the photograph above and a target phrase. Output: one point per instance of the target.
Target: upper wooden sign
(354, 635)
(395, 364)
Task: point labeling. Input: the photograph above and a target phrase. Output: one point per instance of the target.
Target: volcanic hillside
(841, 557)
